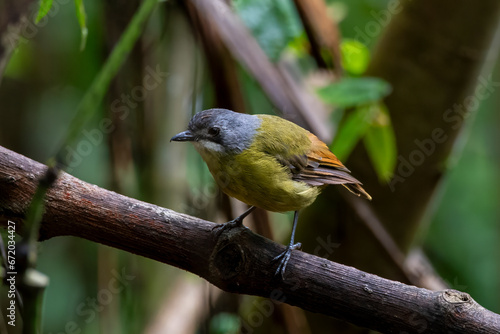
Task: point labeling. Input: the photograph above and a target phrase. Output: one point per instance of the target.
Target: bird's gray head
(220, 130)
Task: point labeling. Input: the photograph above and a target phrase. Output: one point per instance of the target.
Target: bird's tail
(357, 190)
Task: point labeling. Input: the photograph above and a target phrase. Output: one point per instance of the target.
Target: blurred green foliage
(369, 120)
(352, 92)
(355, 56)
(380, 143)
(45, 6)
(225, 323)
(352, 129)
(82, 21)
(463, 237)
(274, 23)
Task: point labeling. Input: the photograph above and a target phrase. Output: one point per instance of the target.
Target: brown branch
(278, 84)
(366, 214)
(237, 261)
(245, 49)
(223, 70)
(442, 61)
(415, 268)
(228, 94)
(322, 32)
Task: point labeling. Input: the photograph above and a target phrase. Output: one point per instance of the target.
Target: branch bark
(435, 71)
(306, 108)
(237, 261)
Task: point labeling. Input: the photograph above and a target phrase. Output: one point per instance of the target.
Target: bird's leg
(236, 222)
(285, 256)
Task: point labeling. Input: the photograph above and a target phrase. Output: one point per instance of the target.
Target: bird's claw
(219, 228)
(284, 257)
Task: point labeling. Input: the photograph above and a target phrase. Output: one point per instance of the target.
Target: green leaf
(355, 56)
(274, 23)
(352, 129)
(380, 143)
(351, 92)
(82, 21)
(45, 6)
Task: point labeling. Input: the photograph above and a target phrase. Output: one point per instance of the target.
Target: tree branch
(322, 32)
(293, 103)
(237, 261)
(293, 99)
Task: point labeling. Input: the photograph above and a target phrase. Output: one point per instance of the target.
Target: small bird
(267, 162)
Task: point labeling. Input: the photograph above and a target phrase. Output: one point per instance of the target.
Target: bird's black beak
(183, 136)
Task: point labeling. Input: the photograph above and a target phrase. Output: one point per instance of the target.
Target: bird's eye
(213, 131)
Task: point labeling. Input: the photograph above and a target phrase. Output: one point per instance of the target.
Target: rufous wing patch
(321, 154)
(323, 168)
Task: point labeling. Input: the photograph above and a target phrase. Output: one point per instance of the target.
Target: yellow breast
(256, 178)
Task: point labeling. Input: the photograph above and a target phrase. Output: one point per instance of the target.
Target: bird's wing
(321, 154)
(323, 167)
(309, 161)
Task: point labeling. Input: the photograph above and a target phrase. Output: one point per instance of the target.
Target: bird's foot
(218, 229)
(285, 257)
(236, 222)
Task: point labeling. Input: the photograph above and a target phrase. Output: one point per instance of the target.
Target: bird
(267, 162)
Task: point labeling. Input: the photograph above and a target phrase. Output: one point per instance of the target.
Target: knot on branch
(228, 258)
(456, 302)
(456, 297)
